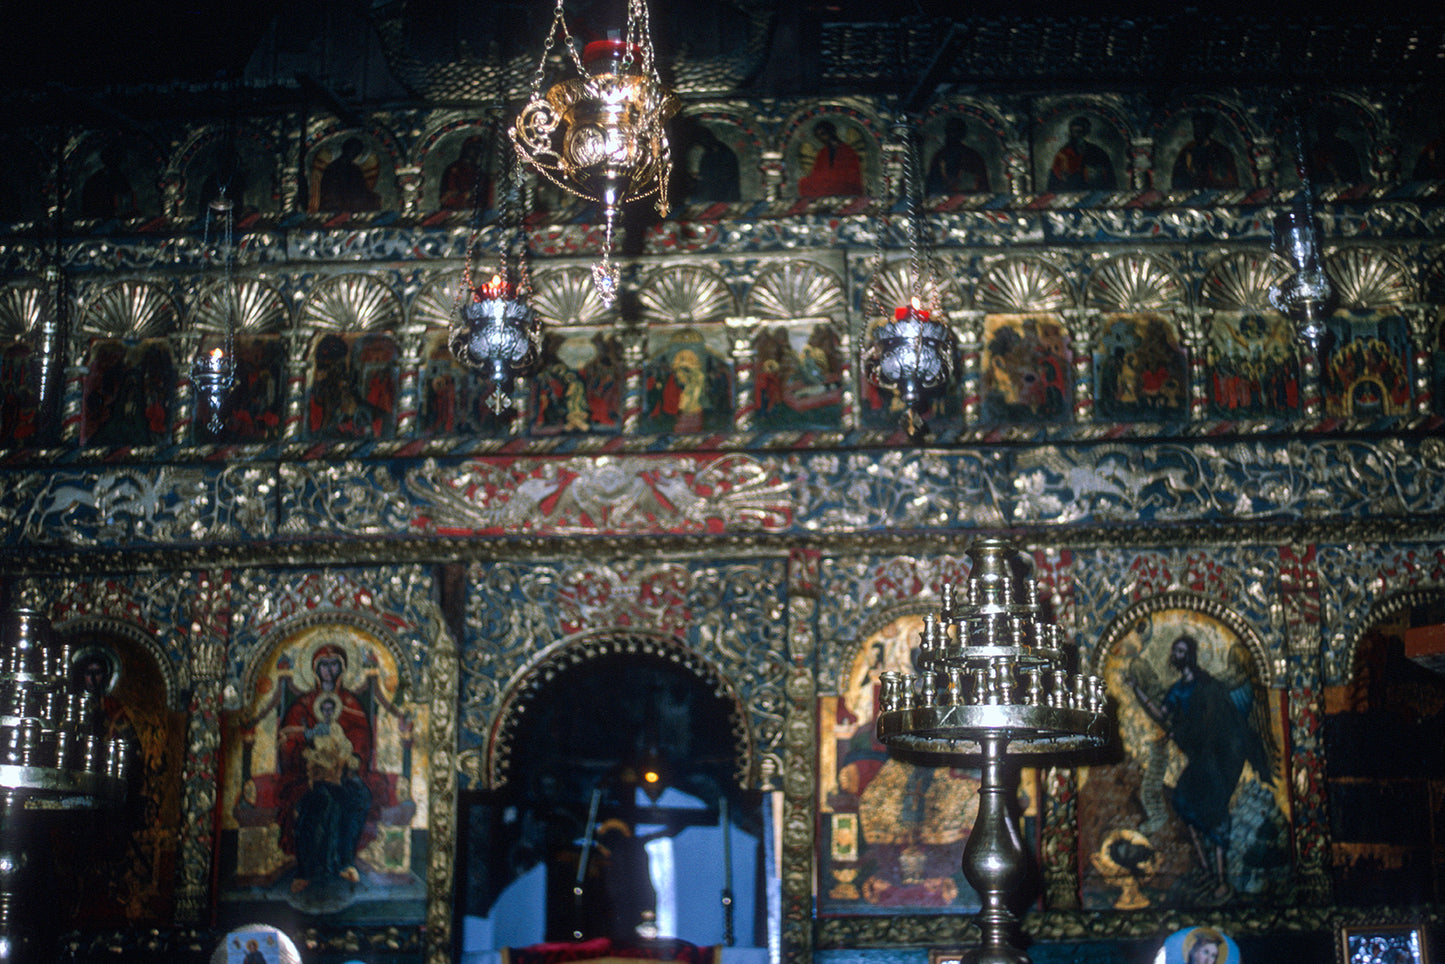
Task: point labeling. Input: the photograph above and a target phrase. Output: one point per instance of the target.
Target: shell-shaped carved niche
(21, 308)
(1366, 278)
(567, 296)
(686, 294)
(438, 302)
(1022, 285)
(257, 307)
(1134, 283)
(130, 309)
(894, 285)
(1241, 282)
(796, 289)
(352, 302)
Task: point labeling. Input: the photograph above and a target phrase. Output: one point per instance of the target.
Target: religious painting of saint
(831, 158)
(1196, 814)
(467, 179)
(893, 833)
(1205, 161)
(127, 874)
(956, 163)
(324, 798)
(1334, 157)
(19, 403)
(349, 174)
(256, 945)
(1081, 156)
(243, 165)
(1198, 945)
(579, 385)
(798, 374)
(456, 400)
(1369, 370)
(687, 382)
(253, 411)
(1140, 369)
(1253, 366)
(1427, 161)
(127, 393)
(117, 179)
(353, 386)
(1027, 370)
(711, 161)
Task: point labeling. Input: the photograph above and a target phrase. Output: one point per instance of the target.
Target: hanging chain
(926, 285)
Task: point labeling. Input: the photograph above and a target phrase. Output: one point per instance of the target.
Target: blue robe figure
(1219, 727)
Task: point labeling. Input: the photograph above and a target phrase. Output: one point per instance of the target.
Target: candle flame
(915, 303)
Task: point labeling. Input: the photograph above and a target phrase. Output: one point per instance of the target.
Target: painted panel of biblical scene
(798, 377)
(579, 385)
(127, 393)
(891, 834)
(19, 403)
(1141, 371)
(1027, 370)
(687, 381)
(324, 798)
(353, 387)
(1253, 368)
(126, 876)
(456, 400)
(1368, 371)
(1196, 814)
(254, 410)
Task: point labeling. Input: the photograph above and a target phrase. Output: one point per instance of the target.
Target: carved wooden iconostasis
(330, 629)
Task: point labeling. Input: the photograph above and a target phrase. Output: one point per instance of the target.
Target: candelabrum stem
(994, 858)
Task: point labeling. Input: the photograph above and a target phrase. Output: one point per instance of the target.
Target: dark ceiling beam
(928, 80)
(333, 101)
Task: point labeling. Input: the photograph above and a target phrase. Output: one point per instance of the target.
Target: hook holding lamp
(600, 135)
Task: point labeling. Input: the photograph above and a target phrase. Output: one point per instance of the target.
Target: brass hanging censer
(600, 135)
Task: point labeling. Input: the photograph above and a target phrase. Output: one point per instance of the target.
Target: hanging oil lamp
(1306, 296)
(494, 330)
(213, 373)
(911, 354)
(600, 135)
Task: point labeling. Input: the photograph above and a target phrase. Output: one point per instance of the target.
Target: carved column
(1420, 319)
(968, 325)
(1141, 164)
(1192, 327)
(444, 695)
(297, 361)
(744, 330)
(634, 344)
(1082, 327)
(1016, 166)
(200, 778)
(1298, 616)
(412, 346)
(800, 777)
(183, 412)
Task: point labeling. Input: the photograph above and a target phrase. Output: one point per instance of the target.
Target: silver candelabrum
(51, 761)
(993, 680)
